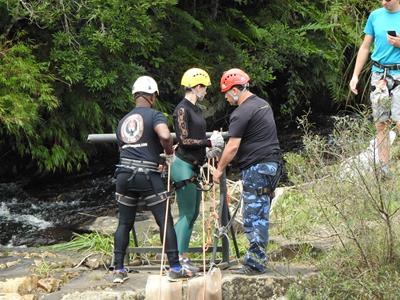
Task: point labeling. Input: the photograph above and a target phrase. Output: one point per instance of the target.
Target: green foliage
(43, 268)
(25, 90)
(343, 200)
(93, 242)
(92, 52)
(339, 278)
(26, 94)
(294, 216)
(81, 57)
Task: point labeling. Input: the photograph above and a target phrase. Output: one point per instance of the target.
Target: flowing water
(33, 216)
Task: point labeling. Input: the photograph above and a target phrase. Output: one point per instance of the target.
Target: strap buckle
(258, 191)
(262, 191)
(387, 67)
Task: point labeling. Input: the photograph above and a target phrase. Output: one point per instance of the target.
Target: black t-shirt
(136, 136)
(190, 128)
(253, 122)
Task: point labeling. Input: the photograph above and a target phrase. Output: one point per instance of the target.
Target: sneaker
(119, 276)
(247, 270)
(188, 265)
(179, 273)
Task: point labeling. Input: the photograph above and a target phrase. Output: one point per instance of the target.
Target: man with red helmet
(253, 147)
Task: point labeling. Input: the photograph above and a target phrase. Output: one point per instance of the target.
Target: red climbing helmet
(233, 77)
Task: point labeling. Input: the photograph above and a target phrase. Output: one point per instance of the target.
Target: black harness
(196, 179)
(180, 184)
(141, 165)
(145, 167)
(272, 183)
(389, 67)
(385, 75)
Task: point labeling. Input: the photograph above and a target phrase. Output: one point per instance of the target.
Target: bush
(342, 196)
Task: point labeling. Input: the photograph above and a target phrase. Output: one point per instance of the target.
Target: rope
(214, 214)
(204, 244)
(165, 227)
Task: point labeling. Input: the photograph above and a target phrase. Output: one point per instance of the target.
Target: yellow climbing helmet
(195, 76)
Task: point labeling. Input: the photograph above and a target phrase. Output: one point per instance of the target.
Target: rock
(288, 249)
(93, 263)
(103, 295)
(12, 263)
(49, 284)
(103, 225)
(137, 261)
(107, 225)
(365, 161)
(10, 296)
(20, 285)
(47, 254)
(254, 288)
(15, 296)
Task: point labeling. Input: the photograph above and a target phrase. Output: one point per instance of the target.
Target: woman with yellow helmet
(190, 128)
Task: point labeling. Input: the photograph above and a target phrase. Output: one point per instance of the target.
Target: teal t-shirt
(379, 22)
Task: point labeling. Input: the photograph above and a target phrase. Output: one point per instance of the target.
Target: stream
(33, 216)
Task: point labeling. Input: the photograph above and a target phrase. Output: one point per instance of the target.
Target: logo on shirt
(132, 129)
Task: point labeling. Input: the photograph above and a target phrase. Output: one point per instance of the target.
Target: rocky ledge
(28, 273)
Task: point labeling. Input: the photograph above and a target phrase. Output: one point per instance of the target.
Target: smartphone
(392, 32)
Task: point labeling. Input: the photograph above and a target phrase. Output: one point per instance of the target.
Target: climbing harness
(144, 167)
(272, 183)
(135, 166)
(142, 201)
(266, 190)
(391, 83)
(198, 179)
(180, 184)
(389, 67)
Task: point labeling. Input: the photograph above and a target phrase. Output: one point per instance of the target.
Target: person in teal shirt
(382, 30)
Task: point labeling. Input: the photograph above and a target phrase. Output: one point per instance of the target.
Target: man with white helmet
(142, 136)
(190, 127)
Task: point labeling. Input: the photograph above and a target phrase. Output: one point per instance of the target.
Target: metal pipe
(97, 138)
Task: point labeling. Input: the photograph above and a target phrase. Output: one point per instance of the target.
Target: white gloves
(217, 144)
(213, 152)
(217, 141)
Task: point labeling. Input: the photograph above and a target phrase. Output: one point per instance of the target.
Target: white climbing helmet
(145, 84)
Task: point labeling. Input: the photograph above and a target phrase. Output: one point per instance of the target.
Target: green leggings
(188, 198)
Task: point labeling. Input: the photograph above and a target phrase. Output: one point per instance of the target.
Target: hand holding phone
(392, 32)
